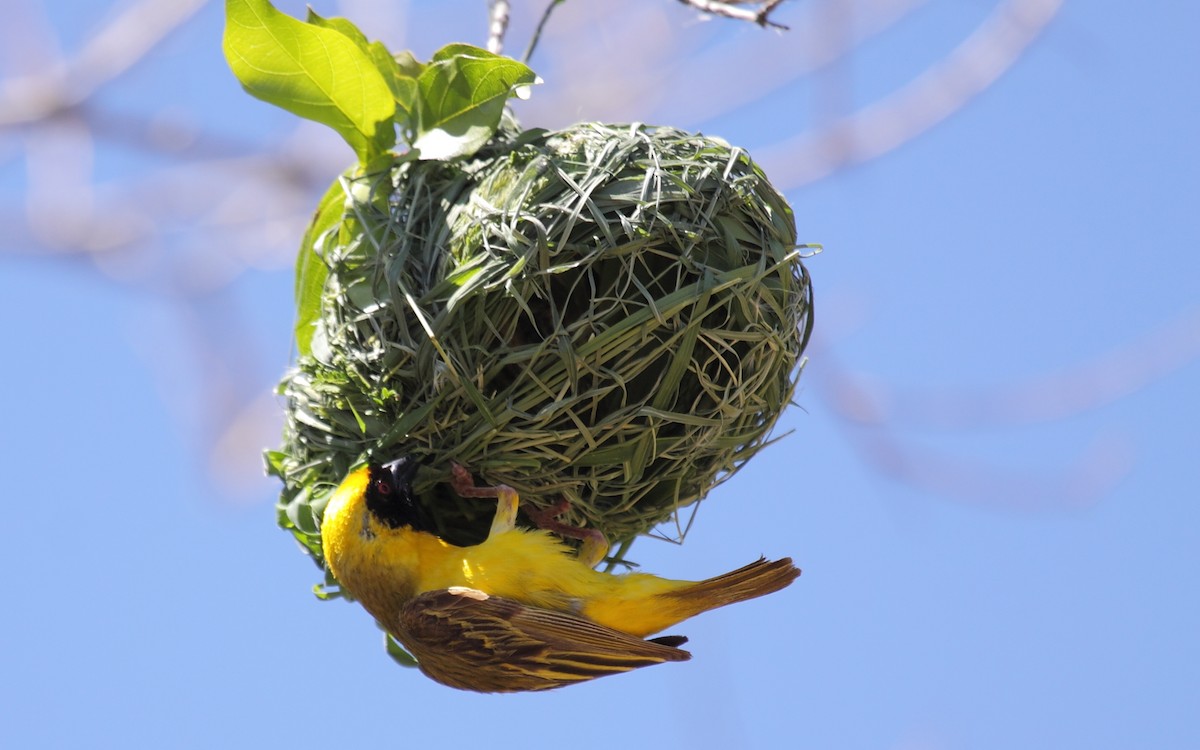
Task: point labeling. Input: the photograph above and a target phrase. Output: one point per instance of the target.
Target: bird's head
(372, 507)
(389, 496)
(372, 533)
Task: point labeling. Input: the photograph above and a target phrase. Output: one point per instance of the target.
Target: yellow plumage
(519, 611)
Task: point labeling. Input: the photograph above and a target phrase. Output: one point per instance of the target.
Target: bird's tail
(759, 578)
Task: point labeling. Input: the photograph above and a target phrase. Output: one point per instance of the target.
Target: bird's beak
(403, 470)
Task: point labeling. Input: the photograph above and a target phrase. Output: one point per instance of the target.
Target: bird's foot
(507, 498)
(595, 545)
(591, 552)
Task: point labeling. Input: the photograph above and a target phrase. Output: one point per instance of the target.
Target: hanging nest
(611, 315)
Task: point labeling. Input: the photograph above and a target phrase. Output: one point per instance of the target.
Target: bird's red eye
(383, 487)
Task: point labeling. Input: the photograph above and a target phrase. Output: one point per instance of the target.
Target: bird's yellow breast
(376, 564)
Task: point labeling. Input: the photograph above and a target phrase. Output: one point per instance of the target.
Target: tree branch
(760, 15)
(537, 34)
(497, 25)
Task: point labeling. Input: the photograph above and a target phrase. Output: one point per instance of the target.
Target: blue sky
(1002, 557)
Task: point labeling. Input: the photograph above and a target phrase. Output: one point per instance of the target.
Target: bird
(521, 610)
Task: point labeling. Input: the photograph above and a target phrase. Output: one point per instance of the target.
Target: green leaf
(399, 78)
(409, 65)
(274, 463)
(460, 98)
(341, 25)
(327, 591)
(300, 514)
(311, 269)
(403, 86)
(397, 652)
(319, 72)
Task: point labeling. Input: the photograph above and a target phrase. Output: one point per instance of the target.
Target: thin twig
(537, 34)
(497, 25)
(825, 34)
(760, 15)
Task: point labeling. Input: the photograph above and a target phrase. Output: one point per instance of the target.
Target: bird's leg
(591, 552)
(507, 498)
(595, 545)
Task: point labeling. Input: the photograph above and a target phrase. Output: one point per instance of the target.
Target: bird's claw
(507, 498)
(595, 545)
(591, 552)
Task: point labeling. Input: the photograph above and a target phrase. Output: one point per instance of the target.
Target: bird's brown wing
(470, 640)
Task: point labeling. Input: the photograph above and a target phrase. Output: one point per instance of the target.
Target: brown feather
(466, 639)
(759, 578)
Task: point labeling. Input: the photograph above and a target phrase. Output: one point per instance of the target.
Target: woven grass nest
(614, 315)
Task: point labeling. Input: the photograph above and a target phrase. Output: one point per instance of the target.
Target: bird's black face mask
(390, 497)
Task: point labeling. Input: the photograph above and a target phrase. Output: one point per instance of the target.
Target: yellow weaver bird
(520, 610)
